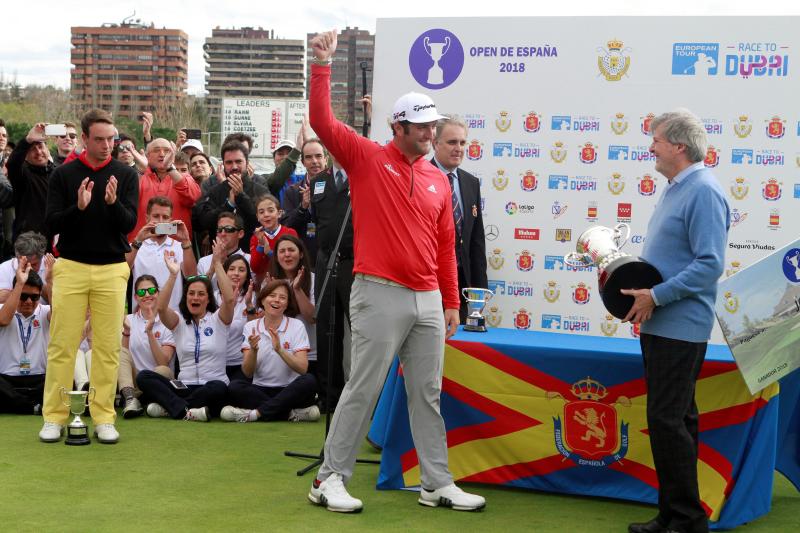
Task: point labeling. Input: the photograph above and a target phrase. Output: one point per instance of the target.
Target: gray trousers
(388, 320)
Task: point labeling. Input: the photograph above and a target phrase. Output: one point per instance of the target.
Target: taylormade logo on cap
(415, 107)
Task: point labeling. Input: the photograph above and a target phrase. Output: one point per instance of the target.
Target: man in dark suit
(449, 145)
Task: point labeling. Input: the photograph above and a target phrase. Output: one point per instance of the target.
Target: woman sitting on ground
(201, 336)
(275, 356)
(238, 271)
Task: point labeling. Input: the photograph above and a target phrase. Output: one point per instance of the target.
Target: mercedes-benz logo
(492, 232)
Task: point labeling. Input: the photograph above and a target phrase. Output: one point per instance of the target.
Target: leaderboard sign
(267, 121)
(559, 112)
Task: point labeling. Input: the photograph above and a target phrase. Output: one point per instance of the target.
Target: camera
(166, 228)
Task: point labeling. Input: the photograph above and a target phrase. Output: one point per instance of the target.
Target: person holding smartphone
(200, 330)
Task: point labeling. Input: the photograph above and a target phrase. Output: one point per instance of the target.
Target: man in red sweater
(405, 273)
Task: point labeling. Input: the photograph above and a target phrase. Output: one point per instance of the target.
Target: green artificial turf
(167, 475)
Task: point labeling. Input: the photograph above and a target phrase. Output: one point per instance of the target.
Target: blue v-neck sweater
(686, 240)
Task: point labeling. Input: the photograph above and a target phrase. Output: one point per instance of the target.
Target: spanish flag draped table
(566, 413)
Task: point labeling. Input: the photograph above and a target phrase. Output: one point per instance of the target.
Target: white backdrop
(559, 110)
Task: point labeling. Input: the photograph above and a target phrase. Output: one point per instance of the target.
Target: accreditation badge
(319, 187)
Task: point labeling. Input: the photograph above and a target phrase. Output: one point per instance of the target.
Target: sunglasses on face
(28, 296)
(227, 229)
(70, 135)
(199, 277)
(149, 290)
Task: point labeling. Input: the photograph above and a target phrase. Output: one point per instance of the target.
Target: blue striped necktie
(458, 215)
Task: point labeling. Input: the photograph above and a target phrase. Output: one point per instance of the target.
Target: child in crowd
(262, 243)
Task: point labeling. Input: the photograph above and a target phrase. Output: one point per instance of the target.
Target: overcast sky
(36, 45)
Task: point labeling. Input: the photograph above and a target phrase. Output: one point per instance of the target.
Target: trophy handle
(489, 294)
(576, 260)
(426, 44)
(63, 393)
(618, 238)
(446, 45)
(91, 395)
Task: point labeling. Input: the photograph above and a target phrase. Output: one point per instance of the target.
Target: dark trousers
(274, 403)
(176, 401)
(234, 373)
(19, 394)
(331, 382)
(671, 368)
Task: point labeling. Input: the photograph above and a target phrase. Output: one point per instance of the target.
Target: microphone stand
(331, 270)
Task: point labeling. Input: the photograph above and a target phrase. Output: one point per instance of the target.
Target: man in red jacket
(405, 273)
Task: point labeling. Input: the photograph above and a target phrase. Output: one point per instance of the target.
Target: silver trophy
(436, 51)
(599, 246)
(77, 400)
(477, 299)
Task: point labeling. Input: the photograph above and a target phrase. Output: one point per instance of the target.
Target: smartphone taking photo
(52, 130)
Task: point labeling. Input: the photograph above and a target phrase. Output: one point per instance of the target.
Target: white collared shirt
(207, 342)
(271, 369)
(233, 352)
(150, 260)
(205, 263)
(139, 344)
(8, 271)
(11, 345)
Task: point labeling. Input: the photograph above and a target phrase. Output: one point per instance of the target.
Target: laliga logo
(772, 190)
(613, 64)
(739, 188)
(511, 208)
(475, 150)
(436, 59)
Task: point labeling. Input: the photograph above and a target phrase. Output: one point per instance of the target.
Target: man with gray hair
(448, 146)
(686, 240)
(32, 246)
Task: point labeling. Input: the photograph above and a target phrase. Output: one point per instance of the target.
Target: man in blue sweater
(686, 240)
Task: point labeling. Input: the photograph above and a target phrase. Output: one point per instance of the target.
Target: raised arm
(10, 307)
(168, 317)
(224, 283)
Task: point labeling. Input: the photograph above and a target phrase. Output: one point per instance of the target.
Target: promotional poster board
(559, 112)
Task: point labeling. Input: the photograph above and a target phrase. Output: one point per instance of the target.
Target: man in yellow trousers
(91, 206)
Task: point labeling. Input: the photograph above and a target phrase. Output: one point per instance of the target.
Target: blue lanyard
(196, 343)
(25, 338)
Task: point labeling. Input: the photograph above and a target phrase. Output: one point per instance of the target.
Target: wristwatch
(323, 62)
(186, 246)
(136, 244)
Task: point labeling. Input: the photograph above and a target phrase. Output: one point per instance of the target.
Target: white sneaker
(155, 410)
(51, 432)
(106, 433)
(306, 414)
(237, 414)
(453, 497)
(133, 408)
(198, 414)
(332, 494)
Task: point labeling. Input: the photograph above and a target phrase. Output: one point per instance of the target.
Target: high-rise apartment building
(252, 62)
(354, 47)
(128, 67)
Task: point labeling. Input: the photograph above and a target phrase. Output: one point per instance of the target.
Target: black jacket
(30, 190)
(205, 212)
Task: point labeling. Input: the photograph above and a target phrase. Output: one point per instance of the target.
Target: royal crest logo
(522, 319)
(609, 326)
(636, 330)
(493, 316)
(647, 185)
(712, 157)
(739, 188)
(529, 182)
(525, 261)
(563, 235)
(735, 267)
(776, 128)
(591, 434)
(647, 122)
(613, 64)
(618, 124)
(616, 184)
(731, 302)
(475, 150)
(772, 190)
(580, 293)
(500, 180)
(502, 122)
(532, 122)
(496, 259)
(588, 153)
(742, 127)
(558, 209)
(551, 291)
(558, 153)
(591, 211)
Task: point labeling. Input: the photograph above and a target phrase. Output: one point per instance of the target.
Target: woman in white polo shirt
(276, 357)
(201, 336)
(238, 270)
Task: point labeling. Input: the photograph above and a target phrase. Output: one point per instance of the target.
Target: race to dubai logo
(712, 157)
(647, 122)
(522, 319)
(588, 153)
(609, 326)
(436, 58)
(731, 302)
(616, 184)
(500, 180)
(496, 259)
(647, 185)
(613, 64)
(742, 127)
(475, 150)
(502, 122)
(532, 122)
(493, 316)
(558, 153)
(593, 433)
(739, 188)
(618, 124)
(776, 127)
(772, 190)
(529, 182)
(551, 291)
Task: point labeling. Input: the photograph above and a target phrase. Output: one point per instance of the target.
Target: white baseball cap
(283, 143)
(192, 143)
(415, 107)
